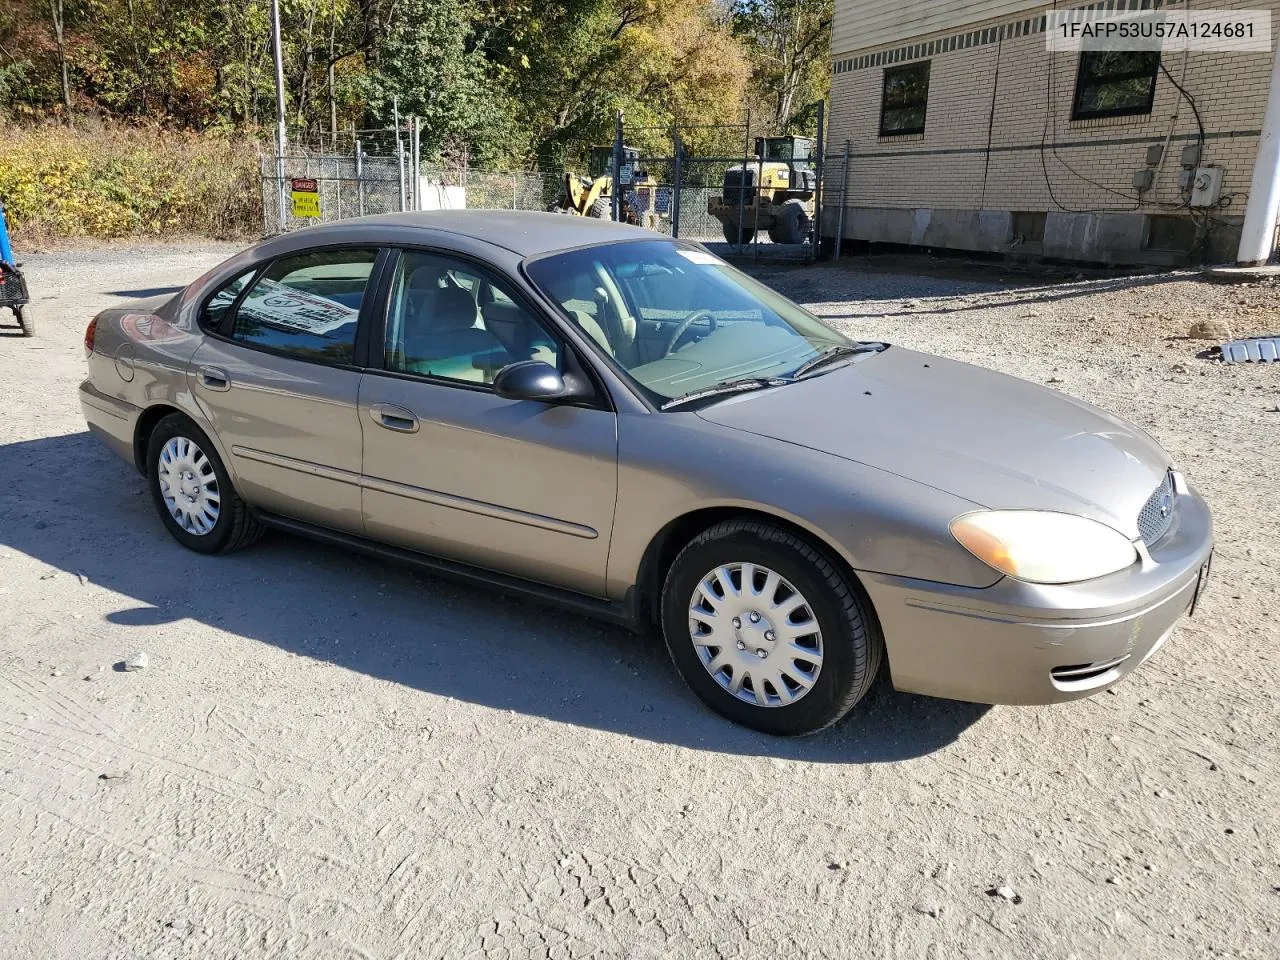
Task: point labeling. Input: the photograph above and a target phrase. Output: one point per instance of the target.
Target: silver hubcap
(189, 486)
(756, 634)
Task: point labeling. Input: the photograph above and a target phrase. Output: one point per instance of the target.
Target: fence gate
(647, 179)
(348, 186)
(702, 175)
(670, 180)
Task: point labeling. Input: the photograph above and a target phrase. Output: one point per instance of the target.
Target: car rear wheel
(193, 492)
(767, 631)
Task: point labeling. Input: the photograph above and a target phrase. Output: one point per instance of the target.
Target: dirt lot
(328, 757)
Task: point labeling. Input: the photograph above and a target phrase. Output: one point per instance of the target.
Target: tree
(504, 81)
(574, 65)
(428, 57)
(790, 42)
(57, 14)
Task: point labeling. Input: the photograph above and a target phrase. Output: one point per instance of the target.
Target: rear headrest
(426, 276)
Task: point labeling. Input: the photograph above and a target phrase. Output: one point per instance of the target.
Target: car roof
(522, 232)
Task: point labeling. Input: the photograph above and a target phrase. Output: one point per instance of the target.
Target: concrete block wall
(999, 137)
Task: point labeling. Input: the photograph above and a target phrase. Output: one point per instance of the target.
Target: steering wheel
(684, 326)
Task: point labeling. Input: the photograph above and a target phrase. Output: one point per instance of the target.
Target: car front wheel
(193, 492)
(767, 631)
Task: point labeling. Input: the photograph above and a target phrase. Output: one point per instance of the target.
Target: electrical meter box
(1206, 189)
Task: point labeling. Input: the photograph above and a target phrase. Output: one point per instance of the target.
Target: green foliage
(427, 56)
(499, 82)
(59, 182)
(789, 43)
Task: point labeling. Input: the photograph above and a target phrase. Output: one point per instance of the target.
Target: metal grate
(1158, 513)
(734, 181)
(13, 289)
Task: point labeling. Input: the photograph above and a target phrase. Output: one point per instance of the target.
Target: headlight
(1043, 547)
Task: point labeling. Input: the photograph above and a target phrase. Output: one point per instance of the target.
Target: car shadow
(399, 625)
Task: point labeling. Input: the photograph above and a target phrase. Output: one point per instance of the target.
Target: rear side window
(216, 307)
(308, 305)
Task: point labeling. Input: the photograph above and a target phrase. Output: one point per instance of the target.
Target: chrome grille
(1158, 512)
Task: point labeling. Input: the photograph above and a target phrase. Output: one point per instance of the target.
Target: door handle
(215, 379)
(394, 418)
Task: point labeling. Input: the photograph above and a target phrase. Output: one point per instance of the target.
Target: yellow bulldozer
(782, 202)
(592, 196)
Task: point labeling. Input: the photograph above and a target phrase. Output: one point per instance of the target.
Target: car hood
(992, 439)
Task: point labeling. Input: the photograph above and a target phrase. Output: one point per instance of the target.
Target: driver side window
(449, 319)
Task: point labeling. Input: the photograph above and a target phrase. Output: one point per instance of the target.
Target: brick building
(963, 132)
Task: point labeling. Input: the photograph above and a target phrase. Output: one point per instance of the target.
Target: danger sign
(305, 193)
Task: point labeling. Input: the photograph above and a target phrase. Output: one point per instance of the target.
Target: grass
(58, 182)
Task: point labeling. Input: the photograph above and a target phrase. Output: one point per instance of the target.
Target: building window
(906, 97)
(1115, 83)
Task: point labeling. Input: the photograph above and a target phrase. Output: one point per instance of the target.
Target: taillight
(88, 336)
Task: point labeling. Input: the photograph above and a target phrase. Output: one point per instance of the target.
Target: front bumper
(1025, 643)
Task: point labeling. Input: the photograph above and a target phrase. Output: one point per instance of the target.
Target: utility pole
(616, 172)
(1258, 235)
(819, 168)
(395, 119)
(415, 162)
(281, 135)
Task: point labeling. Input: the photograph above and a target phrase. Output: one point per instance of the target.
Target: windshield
(679, 320)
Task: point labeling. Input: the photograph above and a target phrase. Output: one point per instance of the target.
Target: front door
(280, 385)
(454, 470)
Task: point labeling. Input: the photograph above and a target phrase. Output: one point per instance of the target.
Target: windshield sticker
(278, 305)
(701, 257)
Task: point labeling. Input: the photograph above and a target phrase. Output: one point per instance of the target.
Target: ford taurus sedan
(589, 413)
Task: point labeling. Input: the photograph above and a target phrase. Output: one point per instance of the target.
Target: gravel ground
(329, 757)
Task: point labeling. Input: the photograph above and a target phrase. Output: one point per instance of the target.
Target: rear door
(280, 381)
(451, 468)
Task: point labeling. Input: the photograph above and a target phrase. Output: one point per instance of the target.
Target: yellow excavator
(781, 203)
(592, 196)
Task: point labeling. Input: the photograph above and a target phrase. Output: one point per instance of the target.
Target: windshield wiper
(740, 385)
(839, 351)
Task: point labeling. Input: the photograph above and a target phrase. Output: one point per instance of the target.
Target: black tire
(731, 234)
(601, 209)
(792, 224)
(561, 204)
(852, 646)
(235, 527)
(26, 319)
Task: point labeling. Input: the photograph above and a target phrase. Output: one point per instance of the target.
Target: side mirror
(535, 380)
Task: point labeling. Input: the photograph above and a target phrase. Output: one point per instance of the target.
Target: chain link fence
(347, 187)
(490, 189)
(835, 200)
(673, 192)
